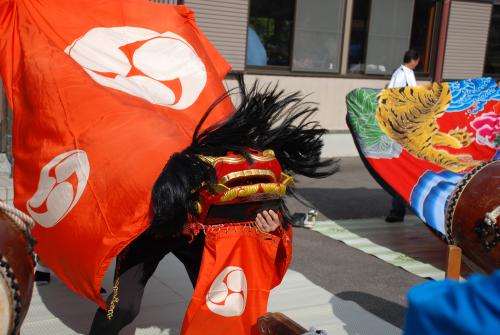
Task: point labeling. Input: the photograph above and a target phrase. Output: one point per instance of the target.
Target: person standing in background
(402, 77)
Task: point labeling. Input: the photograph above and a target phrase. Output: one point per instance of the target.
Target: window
(317, 35)
(359, 36)
(382, 30)
(270, 32)
(388, 35)
(492, 60)
(299, 35)
(422, 32)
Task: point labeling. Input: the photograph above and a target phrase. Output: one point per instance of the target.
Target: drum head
(6, 303)
(476, 196)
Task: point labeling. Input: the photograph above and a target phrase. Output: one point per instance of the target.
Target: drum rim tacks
(454, 199)
(8, 276)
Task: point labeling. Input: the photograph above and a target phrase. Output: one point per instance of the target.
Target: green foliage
(361, 106)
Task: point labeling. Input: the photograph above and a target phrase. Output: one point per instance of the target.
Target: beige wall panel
(329, 93)
(466, 41)
(225, 24)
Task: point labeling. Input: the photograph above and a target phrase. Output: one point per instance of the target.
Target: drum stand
(454, 262)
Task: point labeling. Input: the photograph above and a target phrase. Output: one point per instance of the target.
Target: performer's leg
(135, 273)
(190, 255)
(42, 273)
(130, 292)
(397, 212)
(137, 263)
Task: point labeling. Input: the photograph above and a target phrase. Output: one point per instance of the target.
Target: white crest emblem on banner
(160, 58)
(228, 293)
(62, 182)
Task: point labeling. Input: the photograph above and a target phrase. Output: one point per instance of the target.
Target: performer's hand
(267, 221)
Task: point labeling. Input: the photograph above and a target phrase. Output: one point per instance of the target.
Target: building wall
(225, 24)
(172, 2)
(465, 44)
(466, 40)
(329, 94)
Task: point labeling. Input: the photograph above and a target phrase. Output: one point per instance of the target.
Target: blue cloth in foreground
(450, 307)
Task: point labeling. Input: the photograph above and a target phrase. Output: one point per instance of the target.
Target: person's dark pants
(137, 264)
(398, 208)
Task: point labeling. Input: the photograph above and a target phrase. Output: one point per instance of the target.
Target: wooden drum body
(16, 276)
(467, 223)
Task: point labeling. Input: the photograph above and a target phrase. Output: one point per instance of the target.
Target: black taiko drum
(473, 216)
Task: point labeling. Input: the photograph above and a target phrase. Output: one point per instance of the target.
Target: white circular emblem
(228, 294)
(62, 182)
(156, 63)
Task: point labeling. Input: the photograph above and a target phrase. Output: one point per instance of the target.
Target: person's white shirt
(402, 77)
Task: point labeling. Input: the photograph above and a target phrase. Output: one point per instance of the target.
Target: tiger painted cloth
(420, 141)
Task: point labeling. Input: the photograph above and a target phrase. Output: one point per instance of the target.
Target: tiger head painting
(409, 115)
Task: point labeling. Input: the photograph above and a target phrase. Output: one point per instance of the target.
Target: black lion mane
(266, 118)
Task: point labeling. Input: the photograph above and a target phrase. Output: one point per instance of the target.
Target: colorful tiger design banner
(420, 141)
(103, 93)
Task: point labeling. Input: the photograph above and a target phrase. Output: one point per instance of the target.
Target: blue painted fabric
(450, 307)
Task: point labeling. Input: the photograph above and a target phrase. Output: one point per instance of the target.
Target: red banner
(103, 92)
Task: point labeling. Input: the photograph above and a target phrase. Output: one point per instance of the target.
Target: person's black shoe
(298, 219)
(394, 218)
(42, 278)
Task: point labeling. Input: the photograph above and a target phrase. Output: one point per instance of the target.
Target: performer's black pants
(398, 207)
(137, 264)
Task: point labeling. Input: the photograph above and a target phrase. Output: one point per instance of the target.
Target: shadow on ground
(77, 313)
(386, 310)
(411, 237)
(350, 203)
(72, 310)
